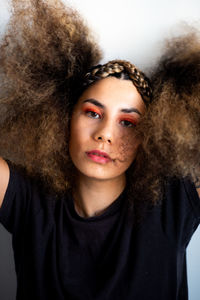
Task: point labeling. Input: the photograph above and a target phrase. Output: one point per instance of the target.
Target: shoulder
(181, 195)
(25, 198)
(179, 210)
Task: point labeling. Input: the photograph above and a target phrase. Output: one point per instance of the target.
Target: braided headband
(117, 67)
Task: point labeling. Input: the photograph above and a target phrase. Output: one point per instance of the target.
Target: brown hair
(171, 127)
(45, 51)
(44, 55)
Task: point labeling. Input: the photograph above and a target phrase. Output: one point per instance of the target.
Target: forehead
(112, 91)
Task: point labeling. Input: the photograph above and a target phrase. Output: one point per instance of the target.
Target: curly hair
(45, 51)
(44, 56)
(170, 129)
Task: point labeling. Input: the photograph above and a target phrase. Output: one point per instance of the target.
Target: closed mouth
(99, 153)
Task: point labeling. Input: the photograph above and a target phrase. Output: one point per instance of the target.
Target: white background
(133, 30)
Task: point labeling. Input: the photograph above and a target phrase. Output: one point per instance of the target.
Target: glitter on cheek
(127, 148)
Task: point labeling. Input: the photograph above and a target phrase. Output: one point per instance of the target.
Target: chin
(98, 171)
(100, 175)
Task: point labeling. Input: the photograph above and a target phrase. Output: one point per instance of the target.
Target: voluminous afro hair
(45, 51)
(171, 127)
(44, 55)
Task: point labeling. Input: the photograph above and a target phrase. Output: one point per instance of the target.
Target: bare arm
(197, 184)
(4, 178)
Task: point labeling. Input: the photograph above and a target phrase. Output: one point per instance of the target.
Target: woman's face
(102, 130)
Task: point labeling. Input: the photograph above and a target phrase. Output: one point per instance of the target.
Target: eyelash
(90, 113)
(131, 123)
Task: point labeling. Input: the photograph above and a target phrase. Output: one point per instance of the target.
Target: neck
(93, 196)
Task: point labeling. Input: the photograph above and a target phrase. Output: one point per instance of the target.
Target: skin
(103, 120)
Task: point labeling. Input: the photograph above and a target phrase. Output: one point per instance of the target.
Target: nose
(104, 132)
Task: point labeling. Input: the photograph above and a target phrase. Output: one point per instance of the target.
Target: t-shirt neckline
(110, 210)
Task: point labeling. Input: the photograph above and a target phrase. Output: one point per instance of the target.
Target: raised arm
(197, 184)
(4, 179)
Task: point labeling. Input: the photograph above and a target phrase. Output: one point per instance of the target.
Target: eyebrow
(124, 110)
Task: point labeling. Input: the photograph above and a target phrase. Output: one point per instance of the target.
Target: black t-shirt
(60, 255)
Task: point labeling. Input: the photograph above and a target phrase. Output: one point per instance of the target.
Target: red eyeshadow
(133, 121)
(88, 109)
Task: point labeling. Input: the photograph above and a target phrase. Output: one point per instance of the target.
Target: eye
(93, 114)
(127, 123)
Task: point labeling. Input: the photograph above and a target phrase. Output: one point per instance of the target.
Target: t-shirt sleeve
(193, 197)
(181, 210)
(17, 203)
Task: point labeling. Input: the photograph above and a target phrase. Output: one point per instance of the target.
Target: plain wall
(132, 30)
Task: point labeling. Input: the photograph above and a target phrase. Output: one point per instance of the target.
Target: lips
(98, 156)
(99, 153)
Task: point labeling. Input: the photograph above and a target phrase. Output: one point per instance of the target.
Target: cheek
(78, 134)
(127, 147)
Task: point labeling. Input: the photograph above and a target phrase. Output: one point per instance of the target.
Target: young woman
(99, 196)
